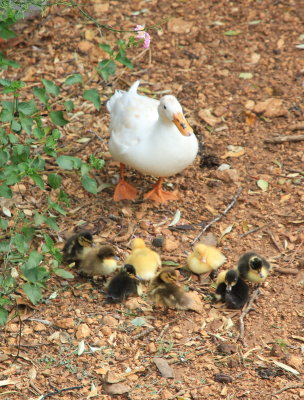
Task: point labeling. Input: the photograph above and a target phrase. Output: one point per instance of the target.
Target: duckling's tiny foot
(160, 196)
(124, 191)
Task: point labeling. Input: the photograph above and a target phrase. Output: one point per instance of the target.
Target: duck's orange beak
(182, 125)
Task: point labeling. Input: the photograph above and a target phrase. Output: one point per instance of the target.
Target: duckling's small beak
(182, 125)
(228, 288)
(261, 275)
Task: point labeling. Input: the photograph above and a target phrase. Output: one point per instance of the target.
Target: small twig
(144, 333)
(127, 235)
(254, 230)
(245, 311)
(299, 385)
(278, 247)
(287, 271)
(227, 209)
(282, 139)
(57, 391)
(297, 127)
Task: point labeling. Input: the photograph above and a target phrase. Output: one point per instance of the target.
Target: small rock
(116, 388)
(109, 321)
(158, 241)
(166, 394)
(227, 348)
(195, 302)
(228, 175)
(132, 378)
(294, 361)
(4, 357)
(219, 111)
(210, 119)
(271, 107)
(83, 331)
(179, 25)
(101, 8)
(105, 330)
(85, 46)
(65, 323)
(171, 244)
(249, 105)
(223, 378)
(39, 327)
(151, 348)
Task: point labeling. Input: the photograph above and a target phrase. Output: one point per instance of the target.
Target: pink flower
(142, 34)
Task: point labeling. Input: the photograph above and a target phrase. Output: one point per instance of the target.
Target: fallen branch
(282, 139)
(144, 333)
(297, 127)
(299, 385)
(278, 247)
(57, 391)
(245, 311)
(225, 212)
(258, 228)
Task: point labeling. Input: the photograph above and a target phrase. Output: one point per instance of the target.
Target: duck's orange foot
(160, 196)
(124, 191)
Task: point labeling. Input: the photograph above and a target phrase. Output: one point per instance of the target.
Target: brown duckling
(123, 284)
(165, 290)
(77, 246)
(99, 261)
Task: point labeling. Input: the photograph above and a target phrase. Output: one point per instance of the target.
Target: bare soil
(195, 60)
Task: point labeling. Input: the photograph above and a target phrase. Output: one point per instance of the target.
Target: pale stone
(83, 331)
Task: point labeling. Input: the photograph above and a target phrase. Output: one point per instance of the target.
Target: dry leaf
(195, 302)
(93, 392)
(163, 367)
(32, 374)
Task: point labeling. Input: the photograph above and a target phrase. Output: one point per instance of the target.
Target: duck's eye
(165, 107)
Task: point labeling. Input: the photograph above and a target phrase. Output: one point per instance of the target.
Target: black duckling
(98, 261)
(165, 290)
(253, 267)
(231, 289)
(123, 285)
(76, 246)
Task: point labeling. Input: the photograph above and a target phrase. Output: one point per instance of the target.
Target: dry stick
(299, 385)
(297, 127)
(278, 247)
(142, 334)
(227, 209)
(282, 139)
(255, 230)
(245, 311)
(57, 391)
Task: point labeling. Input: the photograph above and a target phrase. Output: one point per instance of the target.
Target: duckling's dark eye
(165, 107)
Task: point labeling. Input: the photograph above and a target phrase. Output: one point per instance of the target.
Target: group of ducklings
(165, 286)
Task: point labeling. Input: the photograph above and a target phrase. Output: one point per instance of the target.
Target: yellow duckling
(165, 290)
(99, 261)
(205, 258)
(253, 267)
(77, 246)
(145, 260)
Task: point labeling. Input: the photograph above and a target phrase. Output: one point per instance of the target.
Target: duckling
(231, 289)
(98, 261)
(77, 246)
(145, 260)
(205, 258)
(165, 290)
(123, 284)
(253, 267)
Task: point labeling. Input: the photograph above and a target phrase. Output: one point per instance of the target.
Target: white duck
(150, 136)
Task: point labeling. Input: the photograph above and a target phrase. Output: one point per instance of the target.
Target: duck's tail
(119, 93)
(134, 87)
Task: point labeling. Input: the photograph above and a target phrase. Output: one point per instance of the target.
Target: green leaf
(6, 114)
(6, 192)
(68, 162)
(69, 105)
(38, 180)
(169, 263)
(36, 274)
(41, 94)
(255, 22)
(72, 79)
(4, 157)
(13, 138)
(96, 163)
(33, 292)
(27, 107)
(106, 47)
(39, 219)
(50, 87)
(58, 118)
(26, 123)
(3, 224)
(54, 180)
(63, 273)
(139, 321)
(16, 127)
(3, 316)
(6, 33)
(51, 222)
(4, 247)
(34, 259)
(263, 185)
(246, 75)
(85, 168)
(232, 33)
(123, 59)
(19, 241)
(89, 184)
(56, 207)
(93, 96)
(106, 68)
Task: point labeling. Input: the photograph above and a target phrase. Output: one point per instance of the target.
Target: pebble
(65, 323)
(83, 331)
(109, 321)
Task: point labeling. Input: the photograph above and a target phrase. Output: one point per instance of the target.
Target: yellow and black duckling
(253, 267)
(98, 261)
(77, 246)
(123, 285)
(231, 289)
(205, 258)
(144, 260)
(165, 290)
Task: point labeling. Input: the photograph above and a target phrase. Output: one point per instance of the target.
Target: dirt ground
(235, 68)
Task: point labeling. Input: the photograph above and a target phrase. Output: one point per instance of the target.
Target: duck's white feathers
(143, 140)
